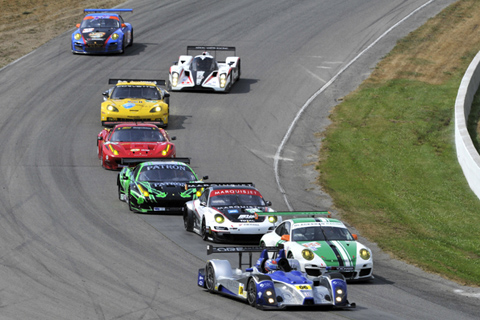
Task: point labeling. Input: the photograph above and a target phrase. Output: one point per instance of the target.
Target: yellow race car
(135, 101)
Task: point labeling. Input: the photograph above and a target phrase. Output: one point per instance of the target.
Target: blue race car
(102, 31)
(272, 283)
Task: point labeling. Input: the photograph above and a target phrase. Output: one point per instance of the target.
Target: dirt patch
(27, 24)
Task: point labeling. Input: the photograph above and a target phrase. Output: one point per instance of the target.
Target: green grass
(389, 163)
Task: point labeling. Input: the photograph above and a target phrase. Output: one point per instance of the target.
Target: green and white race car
(321, 242)
(157, 186)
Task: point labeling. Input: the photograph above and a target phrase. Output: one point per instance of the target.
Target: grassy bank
(388, 160)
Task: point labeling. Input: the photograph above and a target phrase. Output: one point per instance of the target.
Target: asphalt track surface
(69, 249)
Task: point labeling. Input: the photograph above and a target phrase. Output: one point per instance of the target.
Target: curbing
(467, 155)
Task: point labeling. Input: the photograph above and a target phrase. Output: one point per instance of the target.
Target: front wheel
(204, 233)
(210, 277)
(121, 195)
(252, 292)
(188, 219)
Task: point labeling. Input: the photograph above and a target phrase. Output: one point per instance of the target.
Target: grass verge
(389, 162)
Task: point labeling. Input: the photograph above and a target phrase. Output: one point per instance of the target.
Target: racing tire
(239, 71)
(188, 220)
(129, 201)
(203, 231)
(210, 277)
(252, 292)
(131, 40)
(120, 193)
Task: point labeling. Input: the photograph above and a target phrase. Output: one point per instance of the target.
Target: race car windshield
(100, 23)
(137, 134)
(318, 233)
(136, 92)
(203, 64)
(167, 173)
(237, 200)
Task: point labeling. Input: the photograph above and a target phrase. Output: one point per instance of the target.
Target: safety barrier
(467, 155)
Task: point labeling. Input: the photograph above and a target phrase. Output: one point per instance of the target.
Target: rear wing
(184, 160)
(240, 250)
(110, 124)
(297, 213)
(107, 10)
(220, 53)
(155, 81)
(135, 161)
(206, 185)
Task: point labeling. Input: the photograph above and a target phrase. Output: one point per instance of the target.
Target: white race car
(322, 242)
(203, 71)
(229, 211)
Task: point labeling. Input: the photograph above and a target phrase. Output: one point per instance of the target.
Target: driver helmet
(271, 265)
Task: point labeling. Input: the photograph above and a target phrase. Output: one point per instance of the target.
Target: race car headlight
(166, 150)
(339, 291)
(364, 254)
(223, 80)
(112, 108)
(270, 296)
(307, 254)
(272, 219)
(114, 151)
(174, 79)
(156, 108)
(143, 191)
(219, 218)
(115, 36)
(77, 36)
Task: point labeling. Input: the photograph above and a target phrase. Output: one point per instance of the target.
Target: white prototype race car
(204, 71)
(225, 212)
(321, 242)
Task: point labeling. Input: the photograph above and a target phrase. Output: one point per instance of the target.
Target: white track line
(322, 89)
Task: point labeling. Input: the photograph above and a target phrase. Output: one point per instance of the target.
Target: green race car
(157, 186)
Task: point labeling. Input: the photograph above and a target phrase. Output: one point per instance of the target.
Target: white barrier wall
(467, 155)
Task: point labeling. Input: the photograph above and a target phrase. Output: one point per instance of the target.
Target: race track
(69, 249)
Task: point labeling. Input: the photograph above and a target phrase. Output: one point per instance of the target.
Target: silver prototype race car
(272, 283)
(204, 71)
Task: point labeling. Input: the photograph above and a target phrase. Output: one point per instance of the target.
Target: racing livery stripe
(347, 257)
(338, 255)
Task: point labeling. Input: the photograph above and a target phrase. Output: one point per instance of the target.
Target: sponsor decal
(220, 192)
(129, 105)
(312, 245)
(303, 287)
(166, 166)
(86, 30)
(233, 211)
(246, 216)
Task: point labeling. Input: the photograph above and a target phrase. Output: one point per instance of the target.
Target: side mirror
(166, 94)
(78, 25)
(105, 94)
(100, 138)
(205, 177)
(355, 237)
(203, 204)
(123, 25)
(285, 237)
(173, 138)
(268, 203)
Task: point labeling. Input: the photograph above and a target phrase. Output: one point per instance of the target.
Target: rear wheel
(210, 277)
(252, 292)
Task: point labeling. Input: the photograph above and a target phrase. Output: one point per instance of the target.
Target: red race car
(127, 144)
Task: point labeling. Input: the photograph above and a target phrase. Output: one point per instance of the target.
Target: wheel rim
(204, 230)
(251, 292)
(210, 277)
